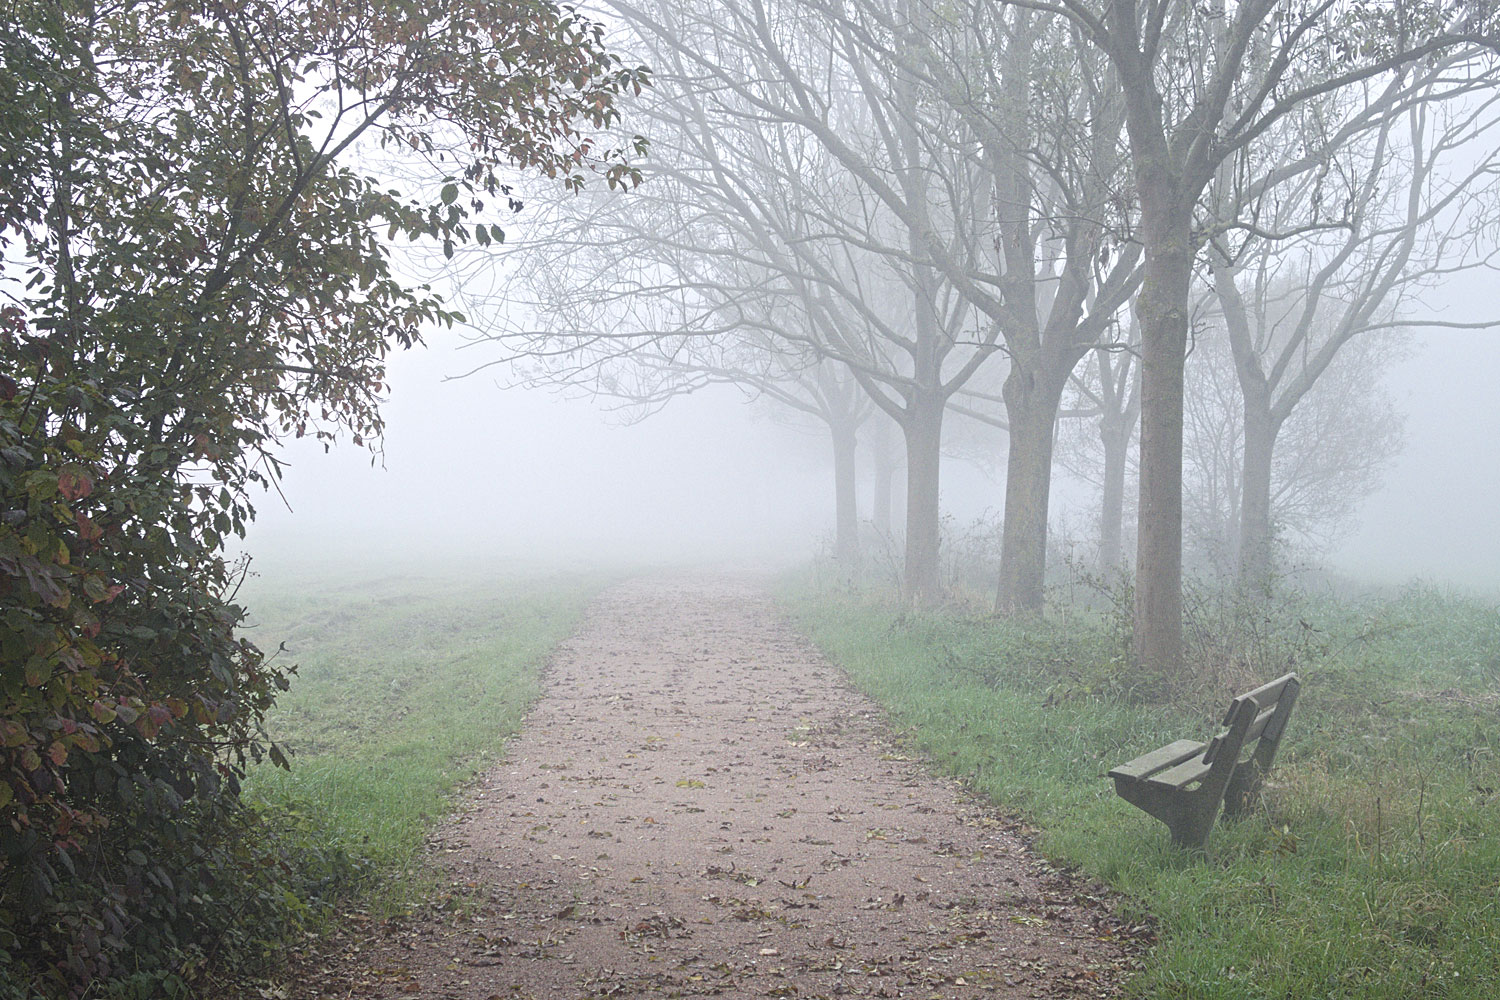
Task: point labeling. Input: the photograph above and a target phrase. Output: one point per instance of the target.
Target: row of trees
(195, 267)
(927, 201)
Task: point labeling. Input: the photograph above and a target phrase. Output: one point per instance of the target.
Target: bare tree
(689, 310)
(885, 464)
(747, 99)
(1330, 451)
(1105, 388)
(1202, 83)
(1043, 259)
(1383, 219)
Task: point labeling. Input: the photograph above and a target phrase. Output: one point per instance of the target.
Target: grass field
(405, 685)
(1373, 866)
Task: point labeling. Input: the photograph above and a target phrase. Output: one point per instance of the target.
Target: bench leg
(1241, 791)
(1188, 815)
(1191, 822)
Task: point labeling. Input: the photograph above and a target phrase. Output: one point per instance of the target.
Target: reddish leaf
(74, 482)
(87, 529)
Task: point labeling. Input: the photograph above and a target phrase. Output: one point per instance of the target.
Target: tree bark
(846, 509)
(1122, 401)
(1116, 442)
(1253, 531)
(923, 431)
(884, 465)
(1255, 555)
(1031, 403)
(1167, 230)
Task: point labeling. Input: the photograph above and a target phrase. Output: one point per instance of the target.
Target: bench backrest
(1256, 715)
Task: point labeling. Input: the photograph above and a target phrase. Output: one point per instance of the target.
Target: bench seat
(1184, 783)
(1153, 763)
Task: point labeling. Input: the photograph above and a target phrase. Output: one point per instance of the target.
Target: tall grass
(1372, 865)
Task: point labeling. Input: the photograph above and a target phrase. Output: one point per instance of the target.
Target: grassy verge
(404, 687)
(1373, 866)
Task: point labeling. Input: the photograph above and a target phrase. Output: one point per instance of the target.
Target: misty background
(474, 469)
(477, 466)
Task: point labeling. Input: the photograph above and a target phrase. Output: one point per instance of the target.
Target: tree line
(1138, 212)
(879, 214)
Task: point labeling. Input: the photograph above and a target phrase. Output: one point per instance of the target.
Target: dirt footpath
(700, 806)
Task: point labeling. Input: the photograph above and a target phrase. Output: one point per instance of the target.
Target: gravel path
(699, 805)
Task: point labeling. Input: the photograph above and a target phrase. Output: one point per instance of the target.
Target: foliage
(192, 273)
(1368, 869)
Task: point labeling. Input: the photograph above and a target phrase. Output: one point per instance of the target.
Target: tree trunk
(1115, 437)
(923, 431)
(1260, 428)
(885, 473)
(1255, 493)
(846, 510)
(1031, 403)
(1164, 321)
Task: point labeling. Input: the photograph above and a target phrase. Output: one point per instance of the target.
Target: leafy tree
(195, 269)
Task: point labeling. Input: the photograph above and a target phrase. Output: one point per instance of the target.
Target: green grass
(404, 687)
(1372, 868)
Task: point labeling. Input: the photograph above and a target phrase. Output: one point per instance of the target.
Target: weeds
(1371, 866)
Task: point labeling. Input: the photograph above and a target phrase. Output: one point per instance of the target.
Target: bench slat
(1251, 735)
(1182, 775)
(1157, 760)
(1259, 725)
(1266, 696)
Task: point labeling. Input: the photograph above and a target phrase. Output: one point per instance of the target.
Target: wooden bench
(1183, 783)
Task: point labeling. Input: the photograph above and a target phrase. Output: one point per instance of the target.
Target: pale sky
(472, 470)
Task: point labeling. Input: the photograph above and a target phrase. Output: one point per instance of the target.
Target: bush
(190, 281)
(129, 707)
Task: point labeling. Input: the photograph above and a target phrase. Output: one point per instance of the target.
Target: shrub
(193, 277)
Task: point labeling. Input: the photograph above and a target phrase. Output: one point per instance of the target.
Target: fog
(813, 274)
(1438, 516)
(750, 497)
(471, 470)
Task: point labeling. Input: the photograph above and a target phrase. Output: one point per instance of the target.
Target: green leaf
(38, 669)
(450, 193)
